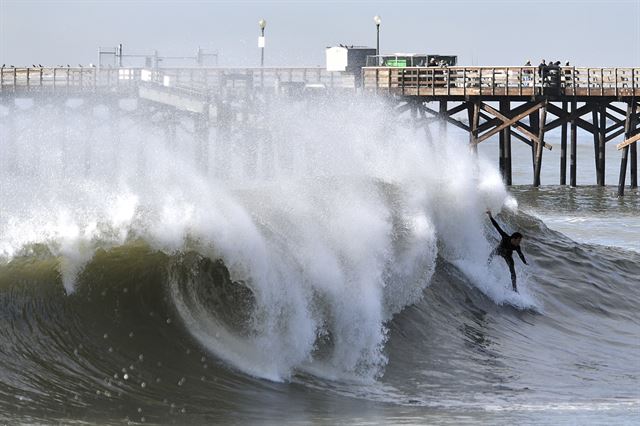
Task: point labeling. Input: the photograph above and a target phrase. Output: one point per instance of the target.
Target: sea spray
(333, 221)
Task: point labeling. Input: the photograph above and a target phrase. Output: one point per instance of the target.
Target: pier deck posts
(443, 120)
(114, 131)
(601, 142)
(505, 146)
(563, 149)
(12, 144)
(629, 127)
(414, 107)
(539, 145)
(90, 137)
(474, 121)
(201, 127)
(574, 140)
(534, 123)
(425, 121)
(634, 159)
(596, 124)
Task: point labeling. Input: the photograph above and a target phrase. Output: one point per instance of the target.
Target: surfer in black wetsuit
(507, 246)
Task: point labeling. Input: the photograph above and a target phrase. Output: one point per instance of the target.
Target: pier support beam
(12, 143)
(629, 128)
(425, 122)
(116, 140)
(414, 108)
(201, 127)
(539, 145)
(89, 108)
(574, 139)
(563, 149)
(474, 121)
(505, 146)
(534, 124)
(602, 128)
(443, 121)
(599, 123)
(634, 164)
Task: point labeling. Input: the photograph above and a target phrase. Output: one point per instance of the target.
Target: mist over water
(322, 211)
(326, 245)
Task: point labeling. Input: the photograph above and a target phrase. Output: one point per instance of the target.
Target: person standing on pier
(508, 244)
(542, 71)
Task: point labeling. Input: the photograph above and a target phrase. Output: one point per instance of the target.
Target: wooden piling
(414, 114)
(11, 139)
(628, 126)
(634, 161)
(505, 146)
(443, 121)
(596, 143)
(574, 140)
(534, 123)
(601, 142)
(114, 132)
(90, 137)
(425, 121)
(201, 127)
(474, 121)
(563, 149)
(539, 145)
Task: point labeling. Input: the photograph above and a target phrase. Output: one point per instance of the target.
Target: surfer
(507, 246)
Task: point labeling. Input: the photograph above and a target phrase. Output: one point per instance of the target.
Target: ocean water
(329, 266)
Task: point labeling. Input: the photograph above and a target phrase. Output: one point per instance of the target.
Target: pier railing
(408, 81)
(88, 79)
(503, 81)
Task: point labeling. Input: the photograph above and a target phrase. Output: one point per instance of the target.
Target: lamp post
(262, 24)
(377, 20)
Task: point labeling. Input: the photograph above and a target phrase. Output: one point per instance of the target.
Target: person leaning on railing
(542, 72)
(527, 75)
(567, 75)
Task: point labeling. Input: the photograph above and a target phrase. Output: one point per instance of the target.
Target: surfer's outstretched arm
(495, 225)
(521, 256)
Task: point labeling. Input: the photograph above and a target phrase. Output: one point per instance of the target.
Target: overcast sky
(587, 32)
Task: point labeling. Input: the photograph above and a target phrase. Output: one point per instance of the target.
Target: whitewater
(327, 263)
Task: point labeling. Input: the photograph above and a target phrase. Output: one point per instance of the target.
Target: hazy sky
(588, 33)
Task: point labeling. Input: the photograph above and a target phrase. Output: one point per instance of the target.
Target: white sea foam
(334, 223)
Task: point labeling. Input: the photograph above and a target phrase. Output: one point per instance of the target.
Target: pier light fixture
(377, 20)
(262, 24)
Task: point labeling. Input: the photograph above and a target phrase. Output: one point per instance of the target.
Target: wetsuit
(506, 249)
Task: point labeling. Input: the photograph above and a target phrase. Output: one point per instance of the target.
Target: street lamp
(377, 21)
(262, 24)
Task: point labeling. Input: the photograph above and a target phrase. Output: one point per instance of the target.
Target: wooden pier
(522, 103)
(525, 103)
